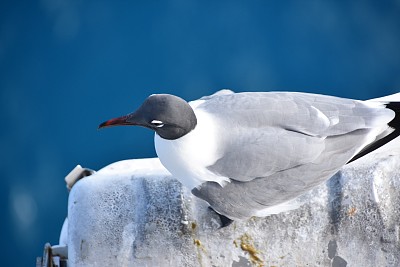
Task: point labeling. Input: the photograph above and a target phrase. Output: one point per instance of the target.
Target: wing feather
(266, 133)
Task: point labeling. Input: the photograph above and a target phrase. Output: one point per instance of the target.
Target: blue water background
(66, 66)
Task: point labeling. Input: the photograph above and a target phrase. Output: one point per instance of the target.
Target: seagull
(251, 153)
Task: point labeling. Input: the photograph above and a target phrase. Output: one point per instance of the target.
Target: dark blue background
(66, 66)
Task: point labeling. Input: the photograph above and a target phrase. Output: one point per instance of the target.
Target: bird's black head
(169, 116)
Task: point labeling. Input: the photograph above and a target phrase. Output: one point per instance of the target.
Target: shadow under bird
(248, 154)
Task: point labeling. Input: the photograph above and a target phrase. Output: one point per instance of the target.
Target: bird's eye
(157, 123)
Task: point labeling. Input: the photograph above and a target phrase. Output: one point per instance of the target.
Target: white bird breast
(187, 158)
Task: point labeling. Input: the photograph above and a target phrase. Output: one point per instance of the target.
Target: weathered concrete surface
(133, 213)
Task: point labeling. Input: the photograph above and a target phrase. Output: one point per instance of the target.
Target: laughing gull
(248, 154)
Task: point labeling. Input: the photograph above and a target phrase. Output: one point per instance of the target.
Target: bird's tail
(391, 102)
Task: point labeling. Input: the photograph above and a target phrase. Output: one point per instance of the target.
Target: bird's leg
(225, 221)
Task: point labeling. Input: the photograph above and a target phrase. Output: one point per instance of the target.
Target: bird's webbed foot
(225, 221)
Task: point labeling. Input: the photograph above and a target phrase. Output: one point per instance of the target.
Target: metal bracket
(76, 174)
(56, 256)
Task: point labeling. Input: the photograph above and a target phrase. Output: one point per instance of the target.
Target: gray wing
(266, 133)
(218, 93)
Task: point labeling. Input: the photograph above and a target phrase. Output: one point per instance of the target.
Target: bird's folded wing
(265, 133)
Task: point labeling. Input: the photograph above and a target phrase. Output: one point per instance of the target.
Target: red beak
(117, 122)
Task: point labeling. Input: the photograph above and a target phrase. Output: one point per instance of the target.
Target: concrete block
(134, 213)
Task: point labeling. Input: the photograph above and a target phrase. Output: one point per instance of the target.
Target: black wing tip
(395, 106)
(394, 124)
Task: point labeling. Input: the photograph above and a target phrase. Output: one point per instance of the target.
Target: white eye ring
(157, 123)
